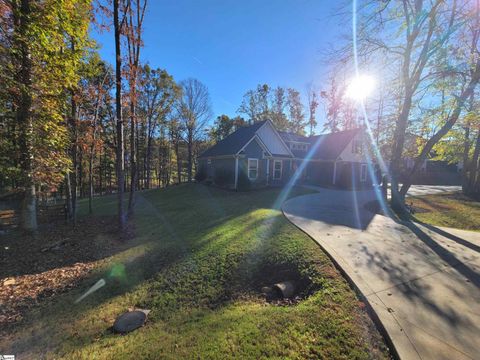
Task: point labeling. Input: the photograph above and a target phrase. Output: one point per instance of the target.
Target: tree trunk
(179, 163)
(120, 152)
(68, 196)
(24, 119)
(148, 159)
(81, 187)
(133, 161)
(452, 119)
(397, 200)
(473, 178)
(74, 155)
(466, 151)
(90, 181)
(100, 172)
(190, 155)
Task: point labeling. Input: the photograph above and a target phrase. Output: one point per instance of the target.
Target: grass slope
(451, 210)
(198, 260)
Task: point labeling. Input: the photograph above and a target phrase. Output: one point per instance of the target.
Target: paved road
(422, 282)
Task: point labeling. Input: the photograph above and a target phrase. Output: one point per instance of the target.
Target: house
(267, 156)
(431, 171)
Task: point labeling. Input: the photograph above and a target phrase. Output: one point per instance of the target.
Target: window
(252, 169)
(277, 169)
(357, 146)
(363, 173)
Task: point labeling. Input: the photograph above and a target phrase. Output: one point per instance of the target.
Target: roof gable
(272, 140)
(234, 142)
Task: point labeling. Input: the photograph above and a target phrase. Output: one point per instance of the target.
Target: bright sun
(360, 87)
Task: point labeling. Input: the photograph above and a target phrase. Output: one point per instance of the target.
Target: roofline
(358, 130)
(216, 157)
(260, 142)
(278, 135)
(299, 142)
(263, 144)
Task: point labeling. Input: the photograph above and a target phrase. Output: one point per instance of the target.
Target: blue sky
(231, 46)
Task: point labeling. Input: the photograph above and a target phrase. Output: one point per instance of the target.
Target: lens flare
(360, 87)
(98, 285)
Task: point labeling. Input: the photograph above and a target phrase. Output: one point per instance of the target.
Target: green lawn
(198, 261)
(451, 210)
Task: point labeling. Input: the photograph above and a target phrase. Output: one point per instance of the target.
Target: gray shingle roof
(291, 137)
(233, 142)
(330, 146)
(286, 136)
(325, 147)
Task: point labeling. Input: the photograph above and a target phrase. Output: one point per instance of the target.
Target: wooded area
(72, 125)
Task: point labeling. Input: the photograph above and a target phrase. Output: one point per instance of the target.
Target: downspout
(236, 172)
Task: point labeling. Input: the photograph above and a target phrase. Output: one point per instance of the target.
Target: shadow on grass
(94, 238)
(190, 272)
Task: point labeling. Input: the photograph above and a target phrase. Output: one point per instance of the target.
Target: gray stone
(130, 321)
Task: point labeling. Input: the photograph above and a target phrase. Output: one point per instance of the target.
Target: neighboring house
(430, 172)
(270, 157)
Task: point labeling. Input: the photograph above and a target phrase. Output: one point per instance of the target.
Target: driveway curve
(422, 282)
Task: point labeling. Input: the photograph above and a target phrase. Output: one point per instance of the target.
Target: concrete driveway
(422, 282)
(418, 190)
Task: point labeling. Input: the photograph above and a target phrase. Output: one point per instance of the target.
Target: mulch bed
(35, 268)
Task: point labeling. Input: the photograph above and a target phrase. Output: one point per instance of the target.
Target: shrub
(243, 181)
(201, 174)
(222, 177)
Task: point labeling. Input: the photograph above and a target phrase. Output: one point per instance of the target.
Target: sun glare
(360, 87)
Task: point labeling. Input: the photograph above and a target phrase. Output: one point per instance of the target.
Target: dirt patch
(38, 267)
(57, 246)
(271, 274)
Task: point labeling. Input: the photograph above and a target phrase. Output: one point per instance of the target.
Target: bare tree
(158, 94)
(135, 14)
(194, 110)
(312, 108)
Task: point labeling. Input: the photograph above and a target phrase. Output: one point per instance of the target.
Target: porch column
(334, 172)
(236, 172)
(268, 169)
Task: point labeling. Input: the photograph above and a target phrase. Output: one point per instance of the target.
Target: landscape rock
(130, 321)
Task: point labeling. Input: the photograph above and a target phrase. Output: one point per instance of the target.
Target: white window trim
(281, 169)
(248, 168)
(363, 174)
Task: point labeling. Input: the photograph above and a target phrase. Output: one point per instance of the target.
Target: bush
(243, 181)
(222, 177)
(201, 174)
